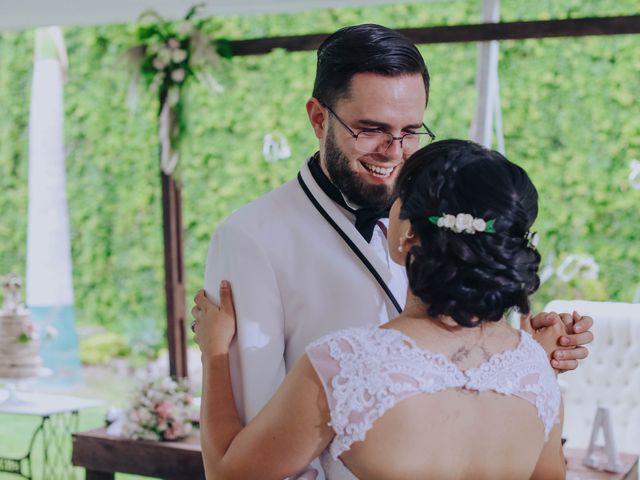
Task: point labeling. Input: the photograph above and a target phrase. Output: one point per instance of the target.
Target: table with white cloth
(58, 420)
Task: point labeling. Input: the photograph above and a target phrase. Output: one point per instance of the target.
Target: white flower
(158, 64)
(440, 222)
(164, 55)
(463, 223)
(179, 55)
(479, 224)
(449, 221)
(178, 75)
(52, 331)
(535, 239)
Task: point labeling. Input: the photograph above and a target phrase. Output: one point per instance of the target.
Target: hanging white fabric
(488, 115)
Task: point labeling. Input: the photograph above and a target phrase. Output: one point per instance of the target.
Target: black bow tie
(366, 217)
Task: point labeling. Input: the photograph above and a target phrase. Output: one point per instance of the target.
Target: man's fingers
(578, 353)
(525, 323)
(577, 339)
(564, 365)
(226, 298)
(567, 319)
(544, 320)
(582, 324)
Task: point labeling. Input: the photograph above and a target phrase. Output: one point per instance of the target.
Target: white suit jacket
(294, 279)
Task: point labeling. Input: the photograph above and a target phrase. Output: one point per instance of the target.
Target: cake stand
(13, 387)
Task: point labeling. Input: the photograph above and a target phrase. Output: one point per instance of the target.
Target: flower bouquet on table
(162, 409)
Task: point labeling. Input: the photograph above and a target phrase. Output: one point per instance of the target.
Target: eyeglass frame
(354, 135)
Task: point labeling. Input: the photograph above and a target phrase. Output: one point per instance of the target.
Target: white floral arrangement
(463, 223)
(162, 409)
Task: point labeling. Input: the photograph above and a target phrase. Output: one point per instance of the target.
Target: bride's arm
(290, 431)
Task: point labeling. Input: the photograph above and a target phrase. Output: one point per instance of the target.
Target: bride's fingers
(200, 295)
(226, 298)
(203, 302)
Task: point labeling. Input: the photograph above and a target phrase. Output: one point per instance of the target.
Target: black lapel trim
(350, 243)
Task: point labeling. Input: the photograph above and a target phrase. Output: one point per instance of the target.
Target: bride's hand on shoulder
(214, 325)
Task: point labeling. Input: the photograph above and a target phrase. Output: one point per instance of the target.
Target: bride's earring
(400, 249)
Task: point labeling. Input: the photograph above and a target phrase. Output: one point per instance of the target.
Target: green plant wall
(570, 113)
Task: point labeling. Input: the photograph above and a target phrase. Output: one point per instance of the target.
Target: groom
(311, 256)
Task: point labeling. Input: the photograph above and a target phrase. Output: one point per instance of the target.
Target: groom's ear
(317, 117)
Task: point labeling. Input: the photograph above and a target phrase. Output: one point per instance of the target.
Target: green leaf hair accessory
(464, 223)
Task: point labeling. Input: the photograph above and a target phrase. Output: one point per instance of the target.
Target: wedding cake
(19, 345)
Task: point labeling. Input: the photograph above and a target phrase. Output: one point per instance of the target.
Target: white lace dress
(366, 371)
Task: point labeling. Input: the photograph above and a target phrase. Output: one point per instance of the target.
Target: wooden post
(174, 270)
(174, 275)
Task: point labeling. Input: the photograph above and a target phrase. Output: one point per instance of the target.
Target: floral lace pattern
(366, 371)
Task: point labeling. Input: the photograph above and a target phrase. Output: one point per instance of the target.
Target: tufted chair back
(609, 377)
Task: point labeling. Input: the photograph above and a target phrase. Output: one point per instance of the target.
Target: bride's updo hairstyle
(469, 277)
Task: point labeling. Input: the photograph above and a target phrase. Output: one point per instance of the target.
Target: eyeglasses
(376, 141)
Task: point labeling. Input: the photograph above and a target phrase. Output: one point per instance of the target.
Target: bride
(447, 390)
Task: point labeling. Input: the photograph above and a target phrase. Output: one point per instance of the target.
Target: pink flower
(173, 43)
(176, 430)
(164, 409)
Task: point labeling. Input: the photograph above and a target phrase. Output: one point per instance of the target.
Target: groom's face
(394, 105)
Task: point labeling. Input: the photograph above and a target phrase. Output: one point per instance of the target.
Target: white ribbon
(275, 147)
(168, 159)
(634, 176)
(575, 264)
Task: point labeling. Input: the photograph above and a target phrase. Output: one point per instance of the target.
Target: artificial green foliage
(570, 114)
(101, 348)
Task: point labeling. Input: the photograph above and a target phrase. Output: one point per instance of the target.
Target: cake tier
(21, 371)
(13, 348)
(18, 359)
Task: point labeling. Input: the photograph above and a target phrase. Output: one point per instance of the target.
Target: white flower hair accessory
(463, 223)
(532, 239)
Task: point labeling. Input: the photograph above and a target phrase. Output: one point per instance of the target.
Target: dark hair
(471, 278)
(364, 48)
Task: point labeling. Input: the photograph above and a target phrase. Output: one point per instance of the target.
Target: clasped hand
(563, 336)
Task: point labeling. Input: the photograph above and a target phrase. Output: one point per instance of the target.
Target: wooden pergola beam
(575, 27)
(175, 289)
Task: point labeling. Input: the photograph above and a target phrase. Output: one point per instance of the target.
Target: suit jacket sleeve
(257, 352)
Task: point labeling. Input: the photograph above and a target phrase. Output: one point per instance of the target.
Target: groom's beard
(349, 181)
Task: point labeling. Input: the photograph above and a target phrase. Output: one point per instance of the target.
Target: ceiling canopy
(21, 14)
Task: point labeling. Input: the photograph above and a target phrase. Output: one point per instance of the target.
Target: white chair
(609, 377)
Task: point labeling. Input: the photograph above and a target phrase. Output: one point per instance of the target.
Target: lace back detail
(366, 371)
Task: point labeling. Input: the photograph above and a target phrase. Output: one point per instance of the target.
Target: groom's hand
(578, 334)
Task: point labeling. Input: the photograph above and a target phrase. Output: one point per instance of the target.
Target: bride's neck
(416, 308)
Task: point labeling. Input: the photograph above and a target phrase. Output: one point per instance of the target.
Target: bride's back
(452, 432)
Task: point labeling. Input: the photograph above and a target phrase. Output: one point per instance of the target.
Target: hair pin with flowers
(532, 239)
(463, 223)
